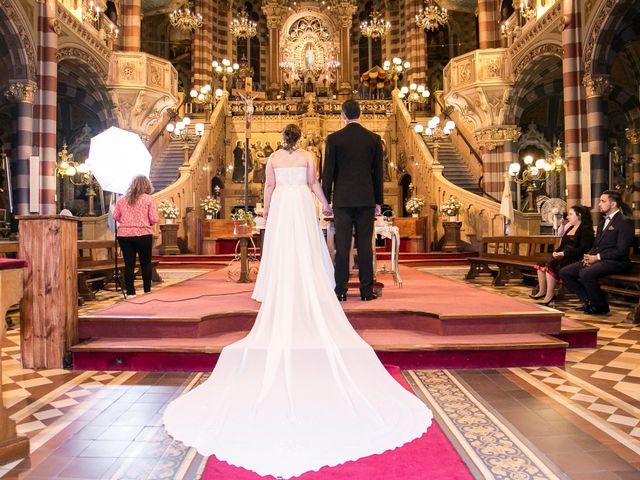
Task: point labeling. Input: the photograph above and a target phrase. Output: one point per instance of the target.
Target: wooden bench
(512, 256)
(96, 267)
(626, 285)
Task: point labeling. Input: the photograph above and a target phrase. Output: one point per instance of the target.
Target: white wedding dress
(302, 390)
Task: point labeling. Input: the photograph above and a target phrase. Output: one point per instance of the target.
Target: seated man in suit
(609, 254)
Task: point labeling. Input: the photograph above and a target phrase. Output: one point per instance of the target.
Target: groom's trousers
(345, 218)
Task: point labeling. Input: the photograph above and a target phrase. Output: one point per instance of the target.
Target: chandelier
(432, 17)
(376, 27)
(185, 19)
(242, 27)
(527, 10)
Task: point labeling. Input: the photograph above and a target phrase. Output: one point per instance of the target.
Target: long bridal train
(302, 390)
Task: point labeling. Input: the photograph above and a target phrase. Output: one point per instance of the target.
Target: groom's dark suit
(352, 173)
(612, 244)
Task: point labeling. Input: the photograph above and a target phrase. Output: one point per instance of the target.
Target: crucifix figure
(247, 95)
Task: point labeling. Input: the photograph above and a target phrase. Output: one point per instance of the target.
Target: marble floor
(580, 422)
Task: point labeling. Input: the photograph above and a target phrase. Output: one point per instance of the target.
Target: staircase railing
(462, 144)
(480, 215)
(193, 184)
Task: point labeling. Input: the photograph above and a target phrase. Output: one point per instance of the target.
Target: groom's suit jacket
(352, 170)
(614, 242)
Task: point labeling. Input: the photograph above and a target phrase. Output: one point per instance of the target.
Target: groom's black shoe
(342, 297)
(366, 298)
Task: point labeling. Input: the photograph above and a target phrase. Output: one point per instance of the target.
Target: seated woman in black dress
(576, 241)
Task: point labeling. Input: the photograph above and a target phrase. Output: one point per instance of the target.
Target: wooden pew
(96, 265)
(512, 256)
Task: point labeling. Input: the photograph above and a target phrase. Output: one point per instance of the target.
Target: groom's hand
(378, 210)
(327, 211)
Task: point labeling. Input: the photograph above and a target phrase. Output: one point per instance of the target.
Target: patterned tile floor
(581, 421)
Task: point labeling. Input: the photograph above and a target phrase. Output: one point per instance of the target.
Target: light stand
(117, 280)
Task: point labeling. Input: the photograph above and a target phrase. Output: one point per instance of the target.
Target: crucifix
(248, 96)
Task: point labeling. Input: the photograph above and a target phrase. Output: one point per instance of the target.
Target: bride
(302, 390)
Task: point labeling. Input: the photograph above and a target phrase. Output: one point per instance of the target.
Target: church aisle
(576, 422)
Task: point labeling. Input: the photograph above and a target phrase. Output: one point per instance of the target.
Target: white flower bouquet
(451, 208)
(168, 210)
(414, 205)
(210, 205)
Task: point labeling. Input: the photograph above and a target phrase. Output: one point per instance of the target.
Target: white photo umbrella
(115, 157)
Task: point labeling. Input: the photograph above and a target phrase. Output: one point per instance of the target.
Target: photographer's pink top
(135, 220)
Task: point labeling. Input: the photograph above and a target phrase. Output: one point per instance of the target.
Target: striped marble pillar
(597, 92)
(45, 112)
(496, 146)
(633, 137)
(416, 44)
(488, 19)
(201, 51)
(573, 97)
(23, 94)
(131, 21)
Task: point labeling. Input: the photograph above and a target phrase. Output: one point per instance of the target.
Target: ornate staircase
(455, 168)
(165, 169)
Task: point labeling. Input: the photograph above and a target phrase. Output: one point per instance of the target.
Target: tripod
(117, 279)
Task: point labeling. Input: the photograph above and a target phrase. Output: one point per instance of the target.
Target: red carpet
(429, 457)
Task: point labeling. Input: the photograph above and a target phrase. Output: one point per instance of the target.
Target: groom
(353, 173)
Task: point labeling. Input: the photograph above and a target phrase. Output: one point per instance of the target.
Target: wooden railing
(480, 216)
(193, 184)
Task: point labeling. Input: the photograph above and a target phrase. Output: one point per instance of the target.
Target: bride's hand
(327, 211)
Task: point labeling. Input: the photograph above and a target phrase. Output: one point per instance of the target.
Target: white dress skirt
(302, 390)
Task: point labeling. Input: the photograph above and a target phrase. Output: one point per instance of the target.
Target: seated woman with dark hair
(576, 241)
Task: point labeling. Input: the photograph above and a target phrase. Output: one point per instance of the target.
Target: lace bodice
(291, 176)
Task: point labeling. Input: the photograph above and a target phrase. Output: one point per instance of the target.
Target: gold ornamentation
(21, 92)
(490, 138)
(632, 135)
(597, 86)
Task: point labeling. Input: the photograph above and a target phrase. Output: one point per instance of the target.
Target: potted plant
(210, 206)
(168, 211)
(242, 222)
(451, 208)
(414, 206)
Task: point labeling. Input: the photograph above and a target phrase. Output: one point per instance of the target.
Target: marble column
(633, 149)
(23, 94)
(488, 19)
(597, 92)
(131, 22)
(345, 10)
(274, 11)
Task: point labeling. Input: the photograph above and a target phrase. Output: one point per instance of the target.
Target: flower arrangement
(451, 207)
(210, 205)
(168, 210)
(242, 216)
(415, 205)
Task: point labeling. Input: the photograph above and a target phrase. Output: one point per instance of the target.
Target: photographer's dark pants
(141, 246)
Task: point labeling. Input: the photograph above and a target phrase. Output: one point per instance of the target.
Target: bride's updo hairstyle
(290, 137)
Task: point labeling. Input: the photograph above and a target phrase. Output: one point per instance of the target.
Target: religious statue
(309, 56)
(385, 162)
(238, 164)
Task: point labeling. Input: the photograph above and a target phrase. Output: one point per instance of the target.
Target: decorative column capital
(21, 92)
(632, 135)
(344, 9)
(597, 86)
(490, 138)
(274, 10)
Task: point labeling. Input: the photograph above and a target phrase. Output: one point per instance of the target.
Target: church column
(345, 11)
(633, 137)
(573, 98)
(45, 114)
(201, 53)
(23, 94)
(416, 46)
(488, 20)
(274, 12)
(496, 146)
(597, 90)
(131, 22)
